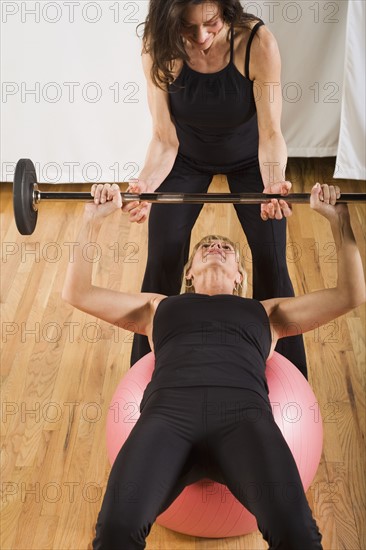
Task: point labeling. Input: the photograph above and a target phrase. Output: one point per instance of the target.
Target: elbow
(272, 142)
(71, 297)
(358, 295)
(269, 135)
(167, 146)
(356, 298)
(167, 140)
(67, 296)
(360, 299)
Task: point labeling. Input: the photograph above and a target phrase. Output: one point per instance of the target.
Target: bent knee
(291, 530)
(120, 533)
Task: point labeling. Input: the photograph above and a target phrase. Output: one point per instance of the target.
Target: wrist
(340, 218)
(91, 220)
(149, 183)
(341, 228)
(151, 188)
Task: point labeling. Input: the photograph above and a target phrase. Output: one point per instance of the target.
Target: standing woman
(213, 81)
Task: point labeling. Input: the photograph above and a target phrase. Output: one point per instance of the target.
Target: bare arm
(265, 70)
(290, 316)
(163, 147)
(118, 308)
(164, 143)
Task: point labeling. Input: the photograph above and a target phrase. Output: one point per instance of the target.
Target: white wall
(73, 91)
(89, 105)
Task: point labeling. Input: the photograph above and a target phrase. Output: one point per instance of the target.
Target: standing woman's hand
(276, 209)
(138, 211)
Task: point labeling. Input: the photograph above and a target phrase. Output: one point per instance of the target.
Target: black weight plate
(24, 179)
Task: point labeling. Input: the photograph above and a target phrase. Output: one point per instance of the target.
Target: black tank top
(215, 114)
(202, 340)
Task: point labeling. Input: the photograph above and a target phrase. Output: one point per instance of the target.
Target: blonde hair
(240, 289)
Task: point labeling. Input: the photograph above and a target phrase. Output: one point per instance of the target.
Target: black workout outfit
(216, 123)
(206, 414)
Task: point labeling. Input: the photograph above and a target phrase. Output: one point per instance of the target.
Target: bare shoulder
(270, 305)
(264, 36)
(152, 304)
(155, 301)
(264, 53)
(146, 308)
(147, 63)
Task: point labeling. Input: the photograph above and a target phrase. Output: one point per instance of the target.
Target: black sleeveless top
(201, 340)
(215, 114)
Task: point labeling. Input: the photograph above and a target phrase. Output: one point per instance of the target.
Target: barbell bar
(27, 196)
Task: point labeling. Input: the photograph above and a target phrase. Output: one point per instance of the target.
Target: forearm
(350, 279)
(290, 316)
(159, 162)
(78, 281)
(272, 156)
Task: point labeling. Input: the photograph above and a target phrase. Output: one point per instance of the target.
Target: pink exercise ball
(207, 508)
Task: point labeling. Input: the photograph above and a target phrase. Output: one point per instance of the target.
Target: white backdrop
(73, 91)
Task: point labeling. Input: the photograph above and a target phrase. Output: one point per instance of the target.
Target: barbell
(27, 196)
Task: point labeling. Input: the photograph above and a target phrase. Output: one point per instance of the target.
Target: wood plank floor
(60, 367)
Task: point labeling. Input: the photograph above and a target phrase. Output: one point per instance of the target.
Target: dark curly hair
(162, 32)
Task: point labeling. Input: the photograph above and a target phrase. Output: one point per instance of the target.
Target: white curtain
(351, 154)
(311, 38)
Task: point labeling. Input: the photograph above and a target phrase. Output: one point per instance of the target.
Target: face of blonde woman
(216, 253)
(201, 23)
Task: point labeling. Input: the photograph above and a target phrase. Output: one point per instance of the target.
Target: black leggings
(170, 229)
(224, 434)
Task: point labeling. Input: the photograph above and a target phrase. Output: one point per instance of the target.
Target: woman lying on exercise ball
(211, 347)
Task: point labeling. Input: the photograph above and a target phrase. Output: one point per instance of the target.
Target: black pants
(224, 434)
(170, 229)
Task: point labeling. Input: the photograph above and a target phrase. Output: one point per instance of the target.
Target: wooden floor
(60, 368)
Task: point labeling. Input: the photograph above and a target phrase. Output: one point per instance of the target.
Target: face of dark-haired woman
(201, 23)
